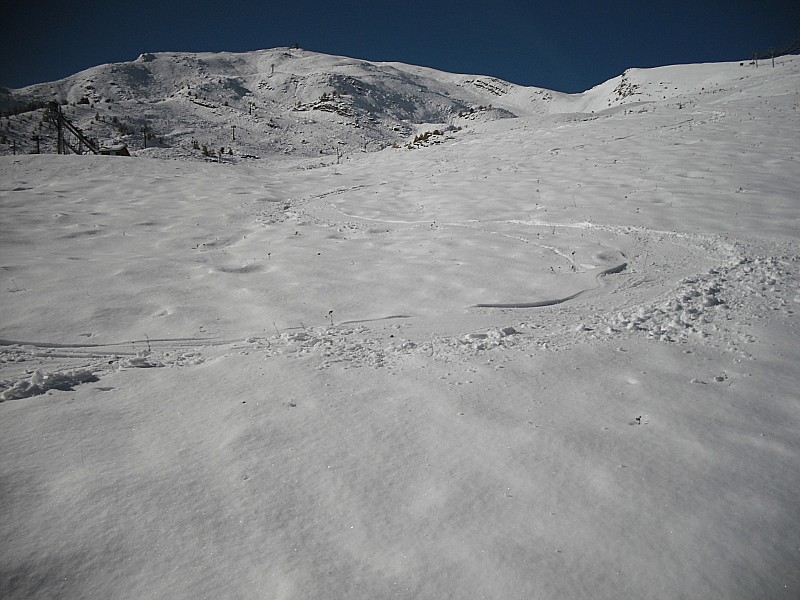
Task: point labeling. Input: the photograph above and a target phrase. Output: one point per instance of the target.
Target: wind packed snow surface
(552, 356)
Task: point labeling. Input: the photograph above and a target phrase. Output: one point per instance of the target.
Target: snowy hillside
(294, 102)
(553, 355)
(273, 101)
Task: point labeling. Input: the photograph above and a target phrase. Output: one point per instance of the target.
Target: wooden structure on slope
(63, 128)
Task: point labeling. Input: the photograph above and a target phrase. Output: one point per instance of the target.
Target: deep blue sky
(564, 45)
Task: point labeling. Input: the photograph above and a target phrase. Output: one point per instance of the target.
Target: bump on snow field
(552, 356)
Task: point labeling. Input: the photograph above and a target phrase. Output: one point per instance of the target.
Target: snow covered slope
(295, 102)
(552, 356)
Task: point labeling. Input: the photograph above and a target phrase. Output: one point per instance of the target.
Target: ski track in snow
(709, 307)
(541, 303)
(710, 288)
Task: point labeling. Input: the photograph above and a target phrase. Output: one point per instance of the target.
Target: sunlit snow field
(551, 357)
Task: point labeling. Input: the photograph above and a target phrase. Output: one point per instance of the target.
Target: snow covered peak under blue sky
(567, 46)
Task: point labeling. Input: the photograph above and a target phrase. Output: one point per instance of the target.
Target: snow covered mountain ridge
(295, 102)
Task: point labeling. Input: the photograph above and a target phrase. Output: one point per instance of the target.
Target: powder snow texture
(552, 356)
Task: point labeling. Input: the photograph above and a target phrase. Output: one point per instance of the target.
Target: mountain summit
(272, 101)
